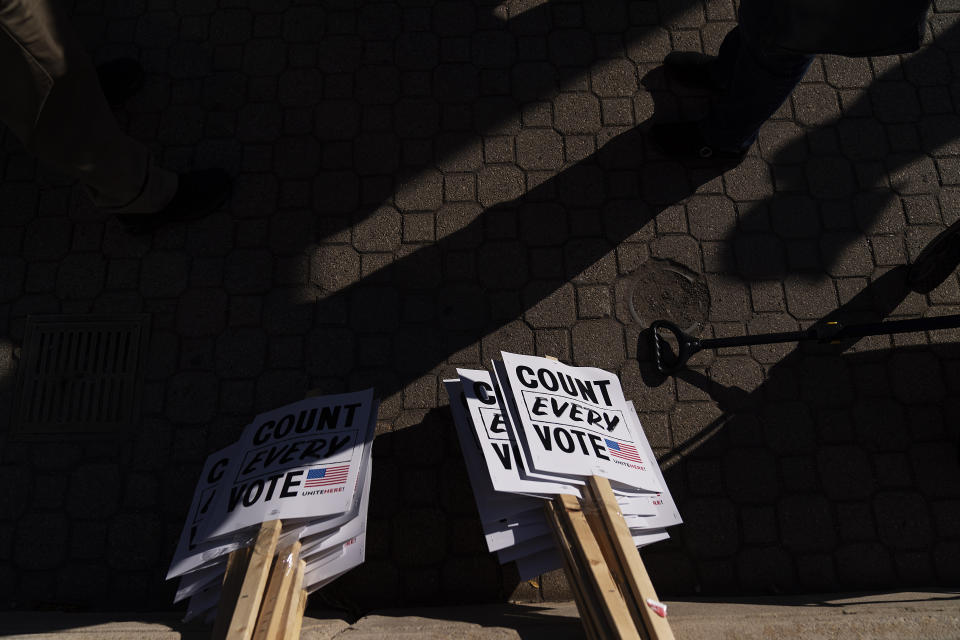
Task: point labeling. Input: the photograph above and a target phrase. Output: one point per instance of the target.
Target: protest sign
(508, 521)
(196, 581)
(529, 567)
(351, 529)
(572, 421)
(666, 513)
(299, 461)
(526, 548)
(642, 538)
(191, 553)
(492, 438)
(500, 536)
(492, 505)
(538, 428)
(306, 464)
(499, 448)
(352, 555)
(203, 603)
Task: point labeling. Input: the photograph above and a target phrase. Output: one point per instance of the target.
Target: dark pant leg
(758, 83)
(52, 101)
(726, 62)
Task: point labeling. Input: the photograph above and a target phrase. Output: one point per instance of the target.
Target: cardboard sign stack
(277, 515)
(551, 449)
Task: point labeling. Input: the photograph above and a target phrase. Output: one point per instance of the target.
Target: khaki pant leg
(52, 101)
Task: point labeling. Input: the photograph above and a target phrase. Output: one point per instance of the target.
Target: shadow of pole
(489, 270)
(484, 95)
(827, 439)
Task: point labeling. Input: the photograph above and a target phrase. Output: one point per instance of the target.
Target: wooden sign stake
(279, 589)
(613, 609)
(606, 575)
(297, 605)
(609, 582)
(585, 601)
(243, 584)
(255, 608)
(627, 558)
(617, 570)
(240, 615)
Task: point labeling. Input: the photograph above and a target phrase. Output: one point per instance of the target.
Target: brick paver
(419, 186)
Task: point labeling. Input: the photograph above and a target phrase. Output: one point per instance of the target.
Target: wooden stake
(582, 596)
(296, 624)
(611, 557)
(270, 620)
(291, 601)
(607, 576)
(296, 604)
(246, 576)
(237, 563)
(613, 609)
(637, 581)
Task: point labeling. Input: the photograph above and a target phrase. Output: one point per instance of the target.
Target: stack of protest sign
(536, 429)
(293, 492)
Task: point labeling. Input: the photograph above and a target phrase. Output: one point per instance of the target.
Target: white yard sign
(491, 504)
(191, 553)
(666, 513)
(299, 461)
(351, 529)
(573, 420)
(325, 571)
(499, 447)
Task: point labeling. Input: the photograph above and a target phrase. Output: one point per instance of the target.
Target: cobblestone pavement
(879, 616)
(420, 185)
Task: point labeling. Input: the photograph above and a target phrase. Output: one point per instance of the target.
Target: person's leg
(703, 71)
(723, 67)
(759, 82)
(54, 104)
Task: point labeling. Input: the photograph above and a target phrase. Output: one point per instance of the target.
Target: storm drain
(79, 374)
(665, 290)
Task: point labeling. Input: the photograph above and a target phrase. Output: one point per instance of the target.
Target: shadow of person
(389, 126)
(827, 474)
(838, 172)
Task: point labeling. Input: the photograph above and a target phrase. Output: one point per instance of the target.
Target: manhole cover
(665, 290)
(79, 374)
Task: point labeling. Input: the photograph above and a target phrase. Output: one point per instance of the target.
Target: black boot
(199, 193)
(120, 80)
(693, 69)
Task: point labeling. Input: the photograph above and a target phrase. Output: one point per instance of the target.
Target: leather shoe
(199, 193)
(693, 68)
(683, 140)
(120, 80)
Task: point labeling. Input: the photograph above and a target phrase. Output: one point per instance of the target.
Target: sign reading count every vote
(286, 456)
(539, 428)
(306, 464)
(573, 421)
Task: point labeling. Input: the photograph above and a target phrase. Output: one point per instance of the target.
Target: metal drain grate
(79, 374)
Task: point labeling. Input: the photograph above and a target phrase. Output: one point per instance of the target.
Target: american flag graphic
(327, 476)
(625, 451)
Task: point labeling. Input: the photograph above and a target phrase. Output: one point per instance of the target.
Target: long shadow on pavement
(828, 189)
(837, 469)
(490, 274)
